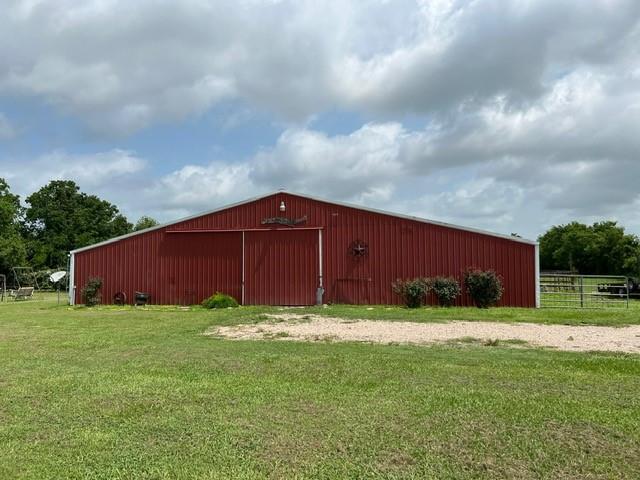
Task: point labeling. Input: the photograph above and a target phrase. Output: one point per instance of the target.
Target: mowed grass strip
(618, 316)
(125, 393)
(552, 316)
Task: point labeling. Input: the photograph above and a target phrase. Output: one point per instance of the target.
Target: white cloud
(7, 131)
(482, 198)
(195, 188)
(362, 166)
(112, 174)
(367, 162)
(531, 108)
(381, 165)
(500, 168)
(121, 66)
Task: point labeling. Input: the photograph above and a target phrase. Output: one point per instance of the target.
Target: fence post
(626, 286)
(581, 292)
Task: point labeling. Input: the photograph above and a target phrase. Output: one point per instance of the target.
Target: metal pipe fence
(585, 291)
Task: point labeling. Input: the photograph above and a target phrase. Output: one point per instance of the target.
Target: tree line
(603, 248)
(54, 220)
(59, 218)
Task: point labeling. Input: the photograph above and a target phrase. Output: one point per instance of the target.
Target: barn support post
(537, 268)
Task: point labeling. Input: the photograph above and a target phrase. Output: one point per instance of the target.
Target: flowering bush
(446, 290)
(413, 292)
(484, 287)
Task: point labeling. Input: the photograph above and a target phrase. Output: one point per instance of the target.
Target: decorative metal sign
(290, 222)
(358, 248)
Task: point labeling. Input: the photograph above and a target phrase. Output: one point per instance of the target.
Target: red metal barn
(291, 249)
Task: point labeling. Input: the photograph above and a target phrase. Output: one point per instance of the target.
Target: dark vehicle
(620, 288)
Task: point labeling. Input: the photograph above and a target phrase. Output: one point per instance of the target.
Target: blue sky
(505, 115)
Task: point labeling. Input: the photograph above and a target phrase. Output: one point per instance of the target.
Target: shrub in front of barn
(446, 290)
(484, 287)
(219, 300)
(413, 292)
(91, 295)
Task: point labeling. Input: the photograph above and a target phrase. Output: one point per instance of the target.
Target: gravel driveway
(317, 328)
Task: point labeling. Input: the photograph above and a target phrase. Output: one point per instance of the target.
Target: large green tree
(603, 248)
(12, 247)
(60, 217)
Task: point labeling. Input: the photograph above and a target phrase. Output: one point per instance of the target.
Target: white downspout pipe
(72, 278)
(537, 260)
(320, 291)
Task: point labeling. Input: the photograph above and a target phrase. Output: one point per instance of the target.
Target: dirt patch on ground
(316, 328)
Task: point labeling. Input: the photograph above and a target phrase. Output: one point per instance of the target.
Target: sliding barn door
(281, 267)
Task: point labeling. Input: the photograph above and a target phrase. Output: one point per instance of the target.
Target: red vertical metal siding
(186, 267)
(281, 267)
(174, 268)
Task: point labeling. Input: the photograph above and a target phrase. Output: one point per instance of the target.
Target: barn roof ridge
(309, 197)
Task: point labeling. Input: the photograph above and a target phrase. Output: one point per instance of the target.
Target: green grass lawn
(124, 393)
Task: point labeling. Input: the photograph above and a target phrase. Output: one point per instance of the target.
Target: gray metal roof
(332, 202)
